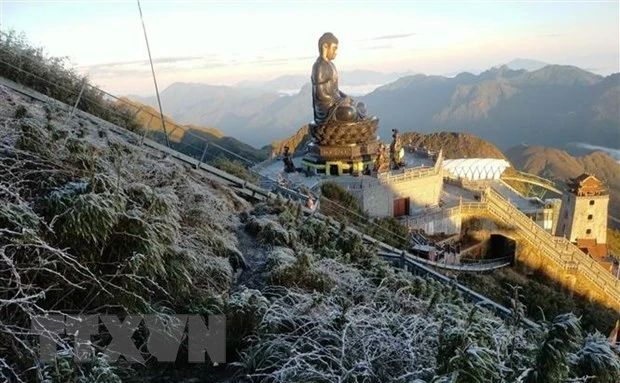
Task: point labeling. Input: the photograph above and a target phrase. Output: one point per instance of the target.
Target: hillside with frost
(92, 223)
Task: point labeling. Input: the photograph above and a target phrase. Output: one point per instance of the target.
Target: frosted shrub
(268, 231)
(297, 270)
(91, 224)
(597, 359)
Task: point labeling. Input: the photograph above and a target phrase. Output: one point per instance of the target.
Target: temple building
(583, 216)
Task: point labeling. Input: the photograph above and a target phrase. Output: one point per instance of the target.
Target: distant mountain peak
(526, 64)
(563, 75)
(500, 71)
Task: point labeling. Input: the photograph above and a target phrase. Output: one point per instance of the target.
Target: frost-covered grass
(92, 224)
(57, 78)
(333, 312)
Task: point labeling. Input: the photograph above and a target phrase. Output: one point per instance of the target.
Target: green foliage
(80, 218)
(597, 359)
(613, 242)
(542, 297)
(54, 77)
(97, 369)
(34, 139)
(81, 233)
(234, 167)
(339, 203)
(298, 271)
(563, 337)
(17, 217)
(338, 194)
(390, 231)
(244, 312)
(268, 231)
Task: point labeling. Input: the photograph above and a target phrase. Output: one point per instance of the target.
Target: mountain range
(350, 79)
(551, 106)
(191, 139)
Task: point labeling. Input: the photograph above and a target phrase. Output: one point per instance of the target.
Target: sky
(224, 42)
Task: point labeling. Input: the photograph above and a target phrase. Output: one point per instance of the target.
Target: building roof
(581, 178)
(586, 184)
(476, 168)
(598, 251)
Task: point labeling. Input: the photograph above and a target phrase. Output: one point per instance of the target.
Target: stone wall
(446, 221)
(580, 214)
(377, 201)
(422, 192)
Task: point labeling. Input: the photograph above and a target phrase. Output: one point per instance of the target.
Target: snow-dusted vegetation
(92, 223)
(334, 312)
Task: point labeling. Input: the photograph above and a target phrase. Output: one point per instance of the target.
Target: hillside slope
(190, 139)
(94, 223)
(454, 145)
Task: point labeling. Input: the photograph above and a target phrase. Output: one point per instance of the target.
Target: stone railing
(419, 219)
(406, 175)
(364, 182)
(559, 250)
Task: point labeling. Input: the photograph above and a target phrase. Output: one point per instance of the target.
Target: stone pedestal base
(340, 159)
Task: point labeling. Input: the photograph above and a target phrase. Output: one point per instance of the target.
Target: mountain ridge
(551, 106)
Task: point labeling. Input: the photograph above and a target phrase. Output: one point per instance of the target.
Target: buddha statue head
(328, 46)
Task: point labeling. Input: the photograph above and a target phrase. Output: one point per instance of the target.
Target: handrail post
(146, 129)
(204, 152)
(76, 101)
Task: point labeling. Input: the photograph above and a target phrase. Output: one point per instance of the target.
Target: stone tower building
(583, 215)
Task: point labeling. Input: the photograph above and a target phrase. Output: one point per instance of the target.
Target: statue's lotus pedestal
(342, 148)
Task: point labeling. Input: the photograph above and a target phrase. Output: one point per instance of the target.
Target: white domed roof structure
(476, 168)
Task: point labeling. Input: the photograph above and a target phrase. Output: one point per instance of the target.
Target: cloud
(174, 60)
(391, 37)
(262, 60)
(380, 47)
(548, 35)
(160, 60)
(139, 68)
(612, 152)
(113, 64)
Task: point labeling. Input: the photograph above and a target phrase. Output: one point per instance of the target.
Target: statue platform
(343, 133)
(340, 159)
(342, 147)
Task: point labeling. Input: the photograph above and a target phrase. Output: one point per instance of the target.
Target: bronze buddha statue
(329, 103)
(344, 138)
(338, 120)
